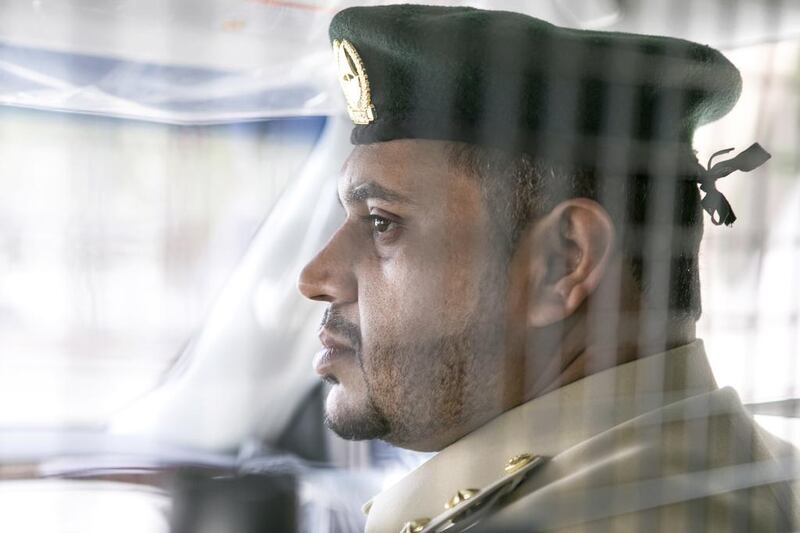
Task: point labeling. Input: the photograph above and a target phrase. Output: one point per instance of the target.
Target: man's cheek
(415, 296)
(398, 319)
(416, 292)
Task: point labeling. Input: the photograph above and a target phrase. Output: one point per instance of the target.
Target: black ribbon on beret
(714, 201)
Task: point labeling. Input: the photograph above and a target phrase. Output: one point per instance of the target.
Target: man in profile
(515, 284)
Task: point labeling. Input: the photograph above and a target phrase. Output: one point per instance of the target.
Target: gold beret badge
(354, 81)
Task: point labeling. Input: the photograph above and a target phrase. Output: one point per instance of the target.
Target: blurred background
(167, 167)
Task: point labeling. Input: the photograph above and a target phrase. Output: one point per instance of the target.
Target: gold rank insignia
(354, 81)
(469, 506)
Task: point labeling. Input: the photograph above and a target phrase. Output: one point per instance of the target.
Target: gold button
(461, 496)
(517, 462)
(415, 526)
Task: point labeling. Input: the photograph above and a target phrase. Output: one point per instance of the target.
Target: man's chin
(354, 422)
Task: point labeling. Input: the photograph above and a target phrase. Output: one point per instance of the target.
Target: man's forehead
(400, 171)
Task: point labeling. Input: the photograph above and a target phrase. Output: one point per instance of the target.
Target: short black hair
(658, 215)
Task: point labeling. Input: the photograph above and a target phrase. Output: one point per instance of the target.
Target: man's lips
(333, 350)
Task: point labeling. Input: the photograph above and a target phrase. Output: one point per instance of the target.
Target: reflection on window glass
(115, 236)
(749, 274)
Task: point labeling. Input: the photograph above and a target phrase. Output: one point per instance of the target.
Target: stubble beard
(370, 423)
(404, 400)
(416, 389)
(422, 385)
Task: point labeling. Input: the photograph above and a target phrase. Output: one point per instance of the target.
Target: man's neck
(553, 365)
(581, 354)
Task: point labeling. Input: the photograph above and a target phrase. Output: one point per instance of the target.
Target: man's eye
(380, 224)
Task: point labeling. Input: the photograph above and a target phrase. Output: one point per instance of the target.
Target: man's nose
(329, 277)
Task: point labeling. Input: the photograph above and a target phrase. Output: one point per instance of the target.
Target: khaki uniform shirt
(652, 445)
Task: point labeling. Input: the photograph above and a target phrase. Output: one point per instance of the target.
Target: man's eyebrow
(372, 190)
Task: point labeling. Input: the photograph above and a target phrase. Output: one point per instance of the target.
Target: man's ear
(568, 254)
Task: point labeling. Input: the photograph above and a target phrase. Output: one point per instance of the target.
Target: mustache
(336, 323)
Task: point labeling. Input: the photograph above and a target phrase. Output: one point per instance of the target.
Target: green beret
(514, 82)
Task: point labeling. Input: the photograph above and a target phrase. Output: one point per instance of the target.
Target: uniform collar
(543, 426)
